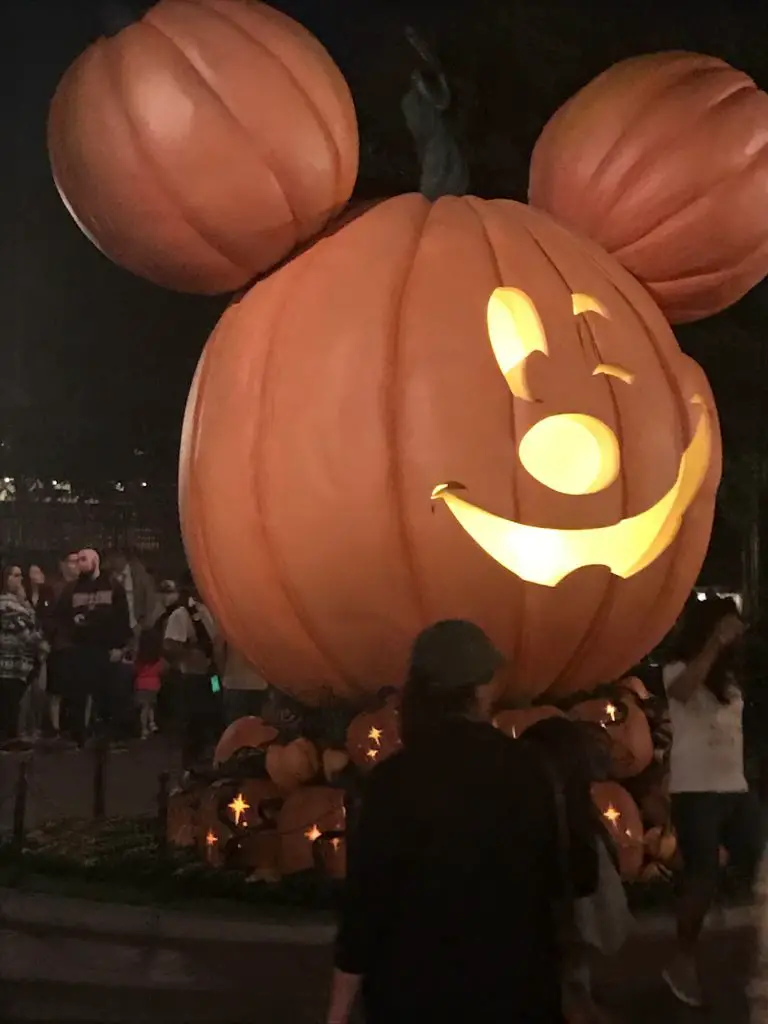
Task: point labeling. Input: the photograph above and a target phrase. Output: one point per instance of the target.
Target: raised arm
(682, 680)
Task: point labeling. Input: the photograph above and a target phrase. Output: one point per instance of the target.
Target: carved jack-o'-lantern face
(427, 343)
(573, 453)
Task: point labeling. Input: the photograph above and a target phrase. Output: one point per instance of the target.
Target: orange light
(372, 754)
(211, 839)
(611, 814)
(375, 735)
(313, 833)
(239, 807)
(336, 843)
(611, 711)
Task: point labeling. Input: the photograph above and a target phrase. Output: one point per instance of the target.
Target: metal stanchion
(99, 779)
(20, 805)
(163, 789)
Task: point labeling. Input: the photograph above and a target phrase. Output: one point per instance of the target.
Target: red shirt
(148, 676)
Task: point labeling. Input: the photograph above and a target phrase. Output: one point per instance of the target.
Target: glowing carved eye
(515, 331)
(587, 304)
(571, 453)
(614, 371)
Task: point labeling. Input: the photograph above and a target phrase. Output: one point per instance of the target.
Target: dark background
(95, 364)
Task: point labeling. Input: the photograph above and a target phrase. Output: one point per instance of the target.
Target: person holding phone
(712, 806)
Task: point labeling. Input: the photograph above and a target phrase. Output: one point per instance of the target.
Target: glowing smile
(546, 556)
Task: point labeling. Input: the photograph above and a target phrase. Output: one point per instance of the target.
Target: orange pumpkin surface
(373, 736)
(663, 160)
(248, 733)
(292, 764)
(622, 819)
(334, 763)
(426, 344)
(305, 816)
(514, 722)
(198, 146)
(631, 742)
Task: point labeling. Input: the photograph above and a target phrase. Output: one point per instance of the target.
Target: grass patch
(119, 860)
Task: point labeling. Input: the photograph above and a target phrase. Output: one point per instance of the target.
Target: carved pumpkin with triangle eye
(449, 409)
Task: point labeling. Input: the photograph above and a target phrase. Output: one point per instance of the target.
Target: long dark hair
(425, 707)
(699, 622)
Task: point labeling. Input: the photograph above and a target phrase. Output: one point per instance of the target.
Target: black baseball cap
(455, 653)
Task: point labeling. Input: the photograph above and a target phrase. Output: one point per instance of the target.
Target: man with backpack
(190, 638)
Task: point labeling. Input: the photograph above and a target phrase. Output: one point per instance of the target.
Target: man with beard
(95, 610)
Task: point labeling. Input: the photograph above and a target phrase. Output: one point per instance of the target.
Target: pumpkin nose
(571, 453)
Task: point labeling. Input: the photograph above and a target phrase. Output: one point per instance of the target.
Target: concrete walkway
(72, 960)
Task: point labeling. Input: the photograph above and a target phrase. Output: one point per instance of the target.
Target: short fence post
(163, 789)
(99, 774)
(20, 806)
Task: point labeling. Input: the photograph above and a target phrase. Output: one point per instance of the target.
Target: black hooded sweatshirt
(96, 613)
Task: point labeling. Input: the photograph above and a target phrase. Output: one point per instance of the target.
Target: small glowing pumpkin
(373, 736)
(306, 817)
(624, 825)
(627, 728)
(200, 144)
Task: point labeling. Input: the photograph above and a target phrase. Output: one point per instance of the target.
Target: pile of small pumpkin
(276, 803)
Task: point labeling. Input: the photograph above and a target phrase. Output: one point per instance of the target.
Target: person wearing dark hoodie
(95, 610)
(451, 905)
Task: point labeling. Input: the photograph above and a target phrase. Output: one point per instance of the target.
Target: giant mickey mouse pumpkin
(197, 144)
(461, 408)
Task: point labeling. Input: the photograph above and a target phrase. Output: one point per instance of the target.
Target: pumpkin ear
(663, 160)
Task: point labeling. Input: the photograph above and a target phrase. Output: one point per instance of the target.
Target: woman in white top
(711, 802)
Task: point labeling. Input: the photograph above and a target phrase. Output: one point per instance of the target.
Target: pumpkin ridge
(236, 120)
(258, 442)
(667, 580)
(477, 206)
(665, 220)
(598, 616)
(664, 85)
(310, 103)
(109, 70)
(393, 431)
(691, 125)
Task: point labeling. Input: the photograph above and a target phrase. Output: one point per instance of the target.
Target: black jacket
(453, 872)
(95, 613)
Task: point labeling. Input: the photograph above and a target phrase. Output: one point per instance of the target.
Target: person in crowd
(21, 646)
(597, 924)
(148, 672)
(711, 803)
(244, 689)
(94, 610)
(40, 595)
(190, 638)
(128, 570)
(168, 710)
(451, 904)
(61, 683)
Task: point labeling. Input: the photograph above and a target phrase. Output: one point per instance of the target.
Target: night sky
(96, 364)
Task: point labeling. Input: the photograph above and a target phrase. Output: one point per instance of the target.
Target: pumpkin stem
(116, 15)
(444, 170)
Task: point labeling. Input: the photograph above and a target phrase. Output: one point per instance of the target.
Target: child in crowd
(149, 669)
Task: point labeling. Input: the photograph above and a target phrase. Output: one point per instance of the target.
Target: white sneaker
(683, 980)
